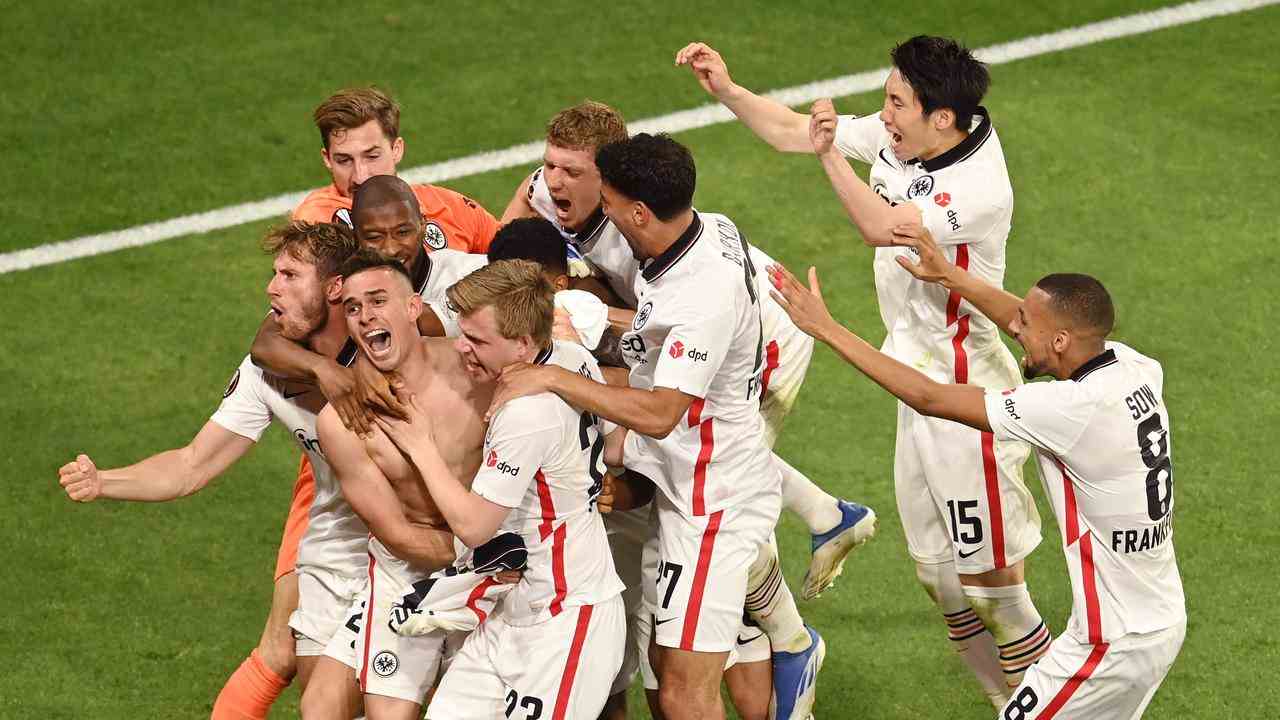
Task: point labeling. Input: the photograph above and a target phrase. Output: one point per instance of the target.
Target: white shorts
(698, 586)
(386, 663)
(961, 495)
(628, 531)
(323, 600)
(1112, 681)
(787, 355)
(561, 668)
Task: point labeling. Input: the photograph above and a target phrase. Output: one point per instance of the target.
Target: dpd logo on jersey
(433, 235)
(677, 349)
(942, 199)
(920, 187)
(492, 459)
(642, 316)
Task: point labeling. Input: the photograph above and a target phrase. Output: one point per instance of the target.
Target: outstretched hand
(707, 66)
(930, 264)
(803, 304)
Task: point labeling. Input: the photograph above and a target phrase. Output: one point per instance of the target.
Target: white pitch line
(675, 122)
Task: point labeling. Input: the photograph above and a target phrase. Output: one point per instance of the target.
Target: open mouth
(562, 205)
(378, 341)
(277, 312)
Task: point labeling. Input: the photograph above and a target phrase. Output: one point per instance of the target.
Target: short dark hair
(533, 239)
(324, 245)
(1081, 299)
(653, 169)
(944, 74)
(369, 259)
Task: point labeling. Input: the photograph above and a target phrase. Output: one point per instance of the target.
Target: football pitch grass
(1150, 162)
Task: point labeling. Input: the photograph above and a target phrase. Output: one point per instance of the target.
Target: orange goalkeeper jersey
(453, 219)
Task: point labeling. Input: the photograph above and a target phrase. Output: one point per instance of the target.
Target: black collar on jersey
(543, 355)
(659, 265)
(1099, 361)
(595, 221)
(422, 270)
(967, 147)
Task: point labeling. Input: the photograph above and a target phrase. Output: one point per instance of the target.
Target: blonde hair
(587, 125)
(521, 296)
(350, 108)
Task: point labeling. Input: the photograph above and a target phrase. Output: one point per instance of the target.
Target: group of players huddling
(537, 453)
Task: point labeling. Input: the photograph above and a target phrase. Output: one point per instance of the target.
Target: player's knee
(320, 701)
(277, 654)
(942, 584)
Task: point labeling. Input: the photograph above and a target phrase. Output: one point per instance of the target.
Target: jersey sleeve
(519, 441)
(244, 409)
(694, 350)
(1048, 415)
(962, 214)
(859, 137)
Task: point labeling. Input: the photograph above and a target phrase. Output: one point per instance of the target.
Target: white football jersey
(966, 202)
(336, 539)
(604, 248)
(698, 330)
(1103, 441)
(544, 460)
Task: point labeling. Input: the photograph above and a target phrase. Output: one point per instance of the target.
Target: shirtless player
(394, 672)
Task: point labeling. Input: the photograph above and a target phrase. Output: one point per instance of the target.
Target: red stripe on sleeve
(994, 508)
(694, 607)
(571, 665)
(1069, 689)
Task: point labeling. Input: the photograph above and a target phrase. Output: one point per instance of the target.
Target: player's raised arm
(519, 206)
(873, 217)
(371, 496)
(164, 476)
(780, 126)
(932, 266)
(961, 403)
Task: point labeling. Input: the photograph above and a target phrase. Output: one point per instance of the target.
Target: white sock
(968, 635)
(1020, 634)
(770, 603)
(801, 496)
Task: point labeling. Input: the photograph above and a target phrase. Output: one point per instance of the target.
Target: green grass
(1148, 161)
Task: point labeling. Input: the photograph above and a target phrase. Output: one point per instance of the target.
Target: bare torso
(457, 405)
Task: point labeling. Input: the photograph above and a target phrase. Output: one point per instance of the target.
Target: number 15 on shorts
(966, 523)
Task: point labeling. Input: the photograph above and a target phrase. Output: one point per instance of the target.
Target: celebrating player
(935, 159)
(1101, 433)
(555, 642)
(360, 138)
(304, 296)
(383, 488)
(693, 409)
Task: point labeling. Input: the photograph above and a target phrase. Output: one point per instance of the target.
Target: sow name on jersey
(1154, 448)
